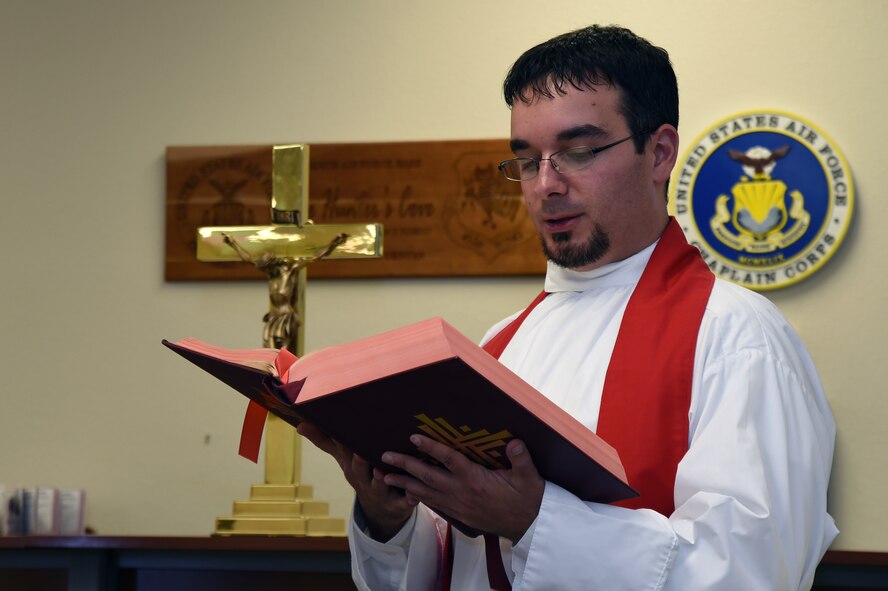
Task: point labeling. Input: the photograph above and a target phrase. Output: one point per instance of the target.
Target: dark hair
(601, 55)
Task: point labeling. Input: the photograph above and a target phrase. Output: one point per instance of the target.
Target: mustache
(556, 209)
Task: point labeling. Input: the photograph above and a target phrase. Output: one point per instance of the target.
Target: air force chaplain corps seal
(766, 197)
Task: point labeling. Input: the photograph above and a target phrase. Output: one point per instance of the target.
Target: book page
(261, 359)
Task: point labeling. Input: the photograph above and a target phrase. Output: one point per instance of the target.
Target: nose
(548, 181)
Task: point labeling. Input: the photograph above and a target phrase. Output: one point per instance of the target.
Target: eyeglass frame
(592, 152)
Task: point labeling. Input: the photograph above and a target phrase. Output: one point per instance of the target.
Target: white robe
(750, 493)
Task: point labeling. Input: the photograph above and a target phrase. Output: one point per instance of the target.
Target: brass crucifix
(283, 251)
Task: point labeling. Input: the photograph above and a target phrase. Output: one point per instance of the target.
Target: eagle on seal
(759, 159)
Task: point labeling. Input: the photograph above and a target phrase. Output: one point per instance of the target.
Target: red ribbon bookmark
(254, 419)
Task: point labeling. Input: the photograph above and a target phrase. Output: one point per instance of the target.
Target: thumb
(520, 459)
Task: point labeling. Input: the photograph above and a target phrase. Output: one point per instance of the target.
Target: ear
(665, 147)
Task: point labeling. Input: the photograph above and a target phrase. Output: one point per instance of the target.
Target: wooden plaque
(445, 208)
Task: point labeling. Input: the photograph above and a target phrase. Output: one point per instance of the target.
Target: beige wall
(93, 91)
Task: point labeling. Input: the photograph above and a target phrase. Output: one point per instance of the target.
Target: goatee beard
(573, 256)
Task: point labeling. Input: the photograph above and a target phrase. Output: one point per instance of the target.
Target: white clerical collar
(625, 272)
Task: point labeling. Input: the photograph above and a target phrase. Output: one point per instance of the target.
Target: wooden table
(94, 563)
(259, 563)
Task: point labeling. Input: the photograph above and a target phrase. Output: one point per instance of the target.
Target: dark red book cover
(428, 378)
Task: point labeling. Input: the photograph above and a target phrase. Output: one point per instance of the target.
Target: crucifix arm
(243, 254)
(324, 252)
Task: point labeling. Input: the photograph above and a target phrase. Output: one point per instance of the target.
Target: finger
(357, 470)
(404, 462)
(343, 450)
(412, 470)
(360, 463)
(366, 477)
(423, 483)
(522, 463)
(414, 491)
(451, 459)
(401, 481)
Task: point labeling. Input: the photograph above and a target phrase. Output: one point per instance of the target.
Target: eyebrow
(571, 133)
(588, 130)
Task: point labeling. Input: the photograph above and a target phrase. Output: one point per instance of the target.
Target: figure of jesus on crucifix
(282, 320)
(282, 251)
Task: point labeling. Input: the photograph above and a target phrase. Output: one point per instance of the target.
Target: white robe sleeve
(410, 560)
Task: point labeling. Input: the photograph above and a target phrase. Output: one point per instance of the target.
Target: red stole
(647, 388)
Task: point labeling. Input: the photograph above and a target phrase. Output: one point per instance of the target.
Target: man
(702, 386)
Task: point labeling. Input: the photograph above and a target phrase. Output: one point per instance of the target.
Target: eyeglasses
(569, 160)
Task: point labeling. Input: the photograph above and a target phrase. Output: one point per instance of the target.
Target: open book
(428, 378)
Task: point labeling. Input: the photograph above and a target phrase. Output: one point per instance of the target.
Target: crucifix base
(280, 510)
(281, 506)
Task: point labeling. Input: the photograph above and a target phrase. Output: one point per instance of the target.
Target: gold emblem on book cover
(480, 445)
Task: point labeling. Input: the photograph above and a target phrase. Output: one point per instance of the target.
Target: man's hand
(502, 502)
(386, 509)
